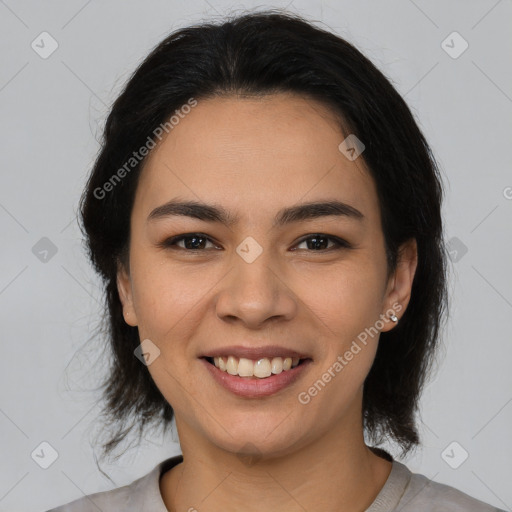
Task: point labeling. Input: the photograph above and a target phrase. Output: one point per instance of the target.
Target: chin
(246, 440)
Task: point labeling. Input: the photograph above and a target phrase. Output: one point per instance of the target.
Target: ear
(398, 292)
(124, 288)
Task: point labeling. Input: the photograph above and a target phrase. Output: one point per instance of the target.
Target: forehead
(254, 154)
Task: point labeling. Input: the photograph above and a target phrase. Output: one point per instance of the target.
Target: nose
(255, 294)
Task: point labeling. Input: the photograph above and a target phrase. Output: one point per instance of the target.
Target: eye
(320, 242)
(197, 242)
(191, 241)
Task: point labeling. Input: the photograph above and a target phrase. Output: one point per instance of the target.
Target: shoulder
(141, 494)
(426, 495)
(115, 499)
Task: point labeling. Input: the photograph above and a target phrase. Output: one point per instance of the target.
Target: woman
(265, 214)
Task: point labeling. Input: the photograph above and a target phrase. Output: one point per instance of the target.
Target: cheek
(169, 299)
(170, 304)
(154, 285)
(347, 298)
(348, 305)
(348, 302)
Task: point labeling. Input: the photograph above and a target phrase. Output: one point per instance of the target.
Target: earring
(393, 317)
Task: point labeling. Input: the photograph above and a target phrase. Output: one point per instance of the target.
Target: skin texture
(254, 156)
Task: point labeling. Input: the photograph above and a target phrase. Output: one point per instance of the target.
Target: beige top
(403, 491)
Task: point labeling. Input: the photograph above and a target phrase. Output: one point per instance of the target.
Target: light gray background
(52, 112)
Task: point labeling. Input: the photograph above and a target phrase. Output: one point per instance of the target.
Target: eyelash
(170, 243)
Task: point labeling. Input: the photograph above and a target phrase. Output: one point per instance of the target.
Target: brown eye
(320, 242)
(191, 241)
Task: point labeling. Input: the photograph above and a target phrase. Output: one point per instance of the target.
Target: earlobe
(126, 297)
(400, 283)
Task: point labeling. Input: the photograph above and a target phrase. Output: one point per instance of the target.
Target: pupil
(316, 244)
(193, 245)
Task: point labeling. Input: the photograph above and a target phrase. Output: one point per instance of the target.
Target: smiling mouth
(255, 369)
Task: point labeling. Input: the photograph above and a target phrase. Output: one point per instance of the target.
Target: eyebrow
(289, 215)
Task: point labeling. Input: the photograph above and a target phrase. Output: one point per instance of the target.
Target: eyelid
(340, 243)
(168, 243)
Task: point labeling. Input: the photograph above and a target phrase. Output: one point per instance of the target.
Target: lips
(287, 366)
(253, 387)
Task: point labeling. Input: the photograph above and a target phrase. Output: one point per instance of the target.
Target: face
(256, 282)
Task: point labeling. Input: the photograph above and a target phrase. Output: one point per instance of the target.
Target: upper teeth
(261, 368)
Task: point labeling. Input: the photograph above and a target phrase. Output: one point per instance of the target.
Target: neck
(337, 472)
